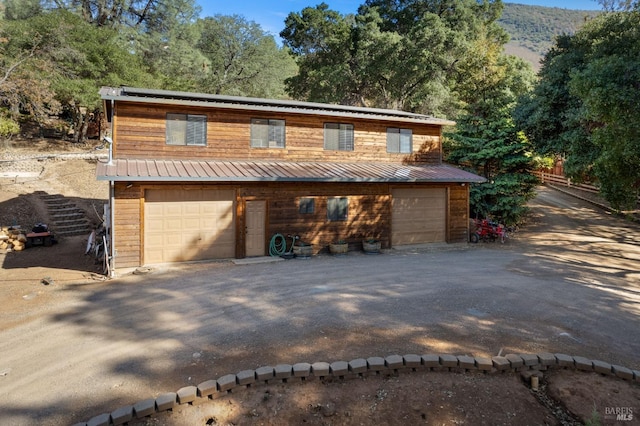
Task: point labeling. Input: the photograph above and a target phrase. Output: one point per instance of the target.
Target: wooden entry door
(256, 214)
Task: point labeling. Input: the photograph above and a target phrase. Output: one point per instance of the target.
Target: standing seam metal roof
(264, 171)
(132, 94)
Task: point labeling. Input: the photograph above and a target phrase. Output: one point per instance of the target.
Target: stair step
(60, 223)
(57, 203)
(72, 230)
(69, 215)
(71, 208)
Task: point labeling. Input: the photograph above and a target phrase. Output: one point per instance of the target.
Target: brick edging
(359, 367)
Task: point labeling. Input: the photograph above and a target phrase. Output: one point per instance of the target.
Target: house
(196, 176)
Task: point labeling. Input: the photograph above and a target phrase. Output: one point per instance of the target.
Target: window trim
(188, 125)
(391, 132)
(344, 130)
(338, 218)
(272, 125)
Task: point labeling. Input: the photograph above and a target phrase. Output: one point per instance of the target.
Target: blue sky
(270, 14)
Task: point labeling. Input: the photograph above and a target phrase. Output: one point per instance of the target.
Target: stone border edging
(360, 367)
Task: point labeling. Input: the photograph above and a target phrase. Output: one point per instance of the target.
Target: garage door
(181, 225)
(418, 216)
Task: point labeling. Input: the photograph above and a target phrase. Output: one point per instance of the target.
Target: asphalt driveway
(569, 283)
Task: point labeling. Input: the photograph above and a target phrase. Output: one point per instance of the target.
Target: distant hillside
(533, 28)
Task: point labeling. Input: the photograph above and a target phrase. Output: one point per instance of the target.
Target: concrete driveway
(568, 283)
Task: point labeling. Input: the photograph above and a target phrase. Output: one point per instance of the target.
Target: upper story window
(186, 129)
(267, 133)
(399, 140)
(338, 136)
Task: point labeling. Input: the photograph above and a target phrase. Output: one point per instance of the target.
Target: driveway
(569, 283)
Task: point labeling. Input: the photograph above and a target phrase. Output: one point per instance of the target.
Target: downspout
(112, 254)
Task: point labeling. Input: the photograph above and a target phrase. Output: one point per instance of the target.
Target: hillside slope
(534, 28)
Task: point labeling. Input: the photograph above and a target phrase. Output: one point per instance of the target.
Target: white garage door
(418, 216)
(181, 225)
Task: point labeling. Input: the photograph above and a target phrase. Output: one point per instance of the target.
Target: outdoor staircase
(67, 218)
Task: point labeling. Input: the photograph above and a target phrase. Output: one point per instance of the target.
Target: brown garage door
(418, 216)
(181, 225)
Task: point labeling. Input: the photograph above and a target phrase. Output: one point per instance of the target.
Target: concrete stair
(66, 217)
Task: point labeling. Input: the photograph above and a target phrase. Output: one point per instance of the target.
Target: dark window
(267, 133)
(399, 140)
(338, 136)
(186, 129)
(337, 208)
(307, 206)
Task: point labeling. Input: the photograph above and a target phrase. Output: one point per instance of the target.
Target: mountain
(533, 28)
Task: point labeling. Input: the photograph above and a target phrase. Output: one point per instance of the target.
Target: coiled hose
(277, 245)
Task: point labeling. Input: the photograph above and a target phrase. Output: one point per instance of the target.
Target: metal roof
(167, 97)
(133, 170)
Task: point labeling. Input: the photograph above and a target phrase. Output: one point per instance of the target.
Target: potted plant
(371, 245)
(339, 247)
(302, 250)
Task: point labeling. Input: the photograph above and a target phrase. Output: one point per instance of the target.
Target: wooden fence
(563, 181)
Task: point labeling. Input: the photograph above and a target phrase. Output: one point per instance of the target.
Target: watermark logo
(621, 414)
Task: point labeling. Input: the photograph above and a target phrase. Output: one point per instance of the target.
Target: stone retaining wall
(526, 364)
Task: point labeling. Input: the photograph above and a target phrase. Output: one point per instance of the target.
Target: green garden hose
(277, 245)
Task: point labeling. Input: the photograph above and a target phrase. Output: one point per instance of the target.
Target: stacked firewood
(12, 239)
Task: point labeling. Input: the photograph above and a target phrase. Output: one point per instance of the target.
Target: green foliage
(21, 9)
(383, 56)
(8, 126)
(487, 142)
(241, 59)
(586, 109)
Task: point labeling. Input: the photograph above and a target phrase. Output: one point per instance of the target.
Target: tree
(391, 55)
(609, 88)
(585, 107)
(146, 15)
(86, 58)
(241, 59)
(486, 140)
(21, 9)
(24, 68)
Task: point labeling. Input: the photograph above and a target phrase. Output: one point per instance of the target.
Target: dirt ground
(565, 397)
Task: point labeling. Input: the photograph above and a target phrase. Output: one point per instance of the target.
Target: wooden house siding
(458, 226)
(369, 214)
(234, 189)
(141, 133)
(127, 224)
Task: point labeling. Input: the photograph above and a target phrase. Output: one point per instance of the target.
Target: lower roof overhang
(145, 170)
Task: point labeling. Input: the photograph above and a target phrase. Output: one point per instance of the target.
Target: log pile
(12, 239)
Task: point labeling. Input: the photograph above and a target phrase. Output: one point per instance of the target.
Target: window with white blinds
(399, 140)
(338, 136)
(267, 133)
(186, 129)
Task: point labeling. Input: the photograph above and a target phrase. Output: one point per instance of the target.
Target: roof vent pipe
(108, 140)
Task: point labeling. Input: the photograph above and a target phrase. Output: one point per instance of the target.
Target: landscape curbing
(526, 364)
